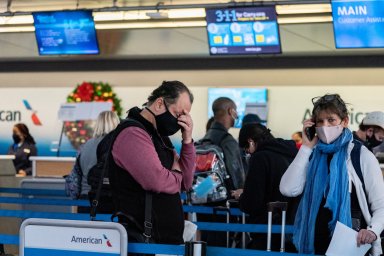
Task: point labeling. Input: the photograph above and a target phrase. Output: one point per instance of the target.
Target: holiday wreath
(78, 132)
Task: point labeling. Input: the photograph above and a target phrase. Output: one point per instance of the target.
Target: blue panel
(65, 32)
(358, 24)
(50, 252)
(247, 30)
(241, 96)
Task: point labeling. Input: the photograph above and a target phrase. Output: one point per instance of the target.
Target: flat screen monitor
(358, 24)
(246, 30)
(65, 32)
(248, 101)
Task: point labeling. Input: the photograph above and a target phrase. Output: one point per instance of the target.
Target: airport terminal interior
(270, 57)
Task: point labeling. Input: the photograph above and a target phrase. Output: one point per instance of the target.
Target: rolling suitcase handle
(235, 203)
(271, 207)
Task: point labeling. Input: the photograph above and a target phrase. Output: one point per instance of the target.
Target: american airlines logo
(91, 240)
(34, 117)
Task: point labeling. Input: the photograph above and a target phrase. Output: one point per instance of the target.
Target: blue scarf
(323, 183)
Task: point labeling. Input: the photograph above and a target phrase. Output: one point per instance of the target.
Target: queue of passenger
(317, 175)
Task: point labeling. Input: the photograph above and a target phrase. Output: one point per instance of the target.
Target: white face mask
(329, 134)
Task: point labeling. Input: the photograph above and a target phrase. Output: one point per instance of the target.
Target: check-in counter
(7, 157)
(6, 165)
(51, 166)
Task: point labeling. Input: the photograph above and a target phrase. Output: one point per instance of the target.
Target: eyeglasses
(320, 100)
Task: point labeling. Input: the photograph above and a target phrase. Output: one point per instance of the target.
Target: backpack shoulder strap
(113, 135)
(355, 158)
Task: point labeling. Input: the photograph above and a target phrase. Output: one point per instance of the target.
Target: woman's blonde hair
(106, 122)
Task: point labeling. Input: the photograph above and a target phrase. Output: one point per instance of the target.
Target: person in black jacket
(22, 148)
(270, 157)
(225, 115)
(144, 169)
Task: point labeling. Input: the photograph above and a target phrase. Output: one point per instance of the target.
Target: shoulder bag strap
(95, 201)
(116, 132)
(148, 217)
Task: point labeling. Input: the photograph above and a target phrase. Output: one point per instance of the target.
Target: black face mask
(372, 142)
(16, 138)
(166, 123)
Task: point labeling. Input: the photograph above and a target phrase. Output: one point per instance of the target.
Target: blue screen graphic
(358, 24)
(248, 30)
(65, 32)
(243, 97)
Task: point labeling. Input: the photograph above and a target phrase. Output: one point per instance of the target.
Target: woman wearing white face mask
(331, 189)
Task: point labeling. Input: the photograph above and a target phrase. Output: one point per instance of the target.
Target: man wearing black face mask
(371, 130)
(144, 161)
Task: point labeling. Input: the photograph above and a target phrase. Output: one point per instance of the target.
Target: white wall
(290, 90)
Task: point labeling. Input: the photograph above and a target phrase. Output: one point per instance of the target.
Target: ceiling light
(158, 24)
(308, 19)
(11, 29)
(186, 13)
(14, 20)
(119, 15)
(303, 8)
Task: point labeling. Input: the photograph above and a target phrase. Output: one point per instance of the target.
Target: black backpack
(99, 172)
(105, 201)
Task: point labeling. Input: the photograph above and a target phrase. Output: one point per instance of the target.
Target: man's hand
(365, 237)
(185, 121)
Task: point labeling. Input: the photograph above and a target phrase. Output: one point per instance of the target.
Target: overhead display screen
(65, 32)
(358, 24)
(247, 30)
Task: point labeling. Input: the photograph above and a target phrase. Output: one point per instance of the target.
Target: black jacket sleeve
(254, 198)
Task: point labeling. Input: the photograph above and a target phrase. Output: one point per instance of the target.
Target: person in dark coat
(270, 157)
(143, 161)
(225, 114)
(22, 148)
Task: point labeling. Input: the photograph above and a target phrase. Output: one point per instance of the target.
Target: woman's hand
(237, 193)
(21, 173)
(309, 143)
(365, 237)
